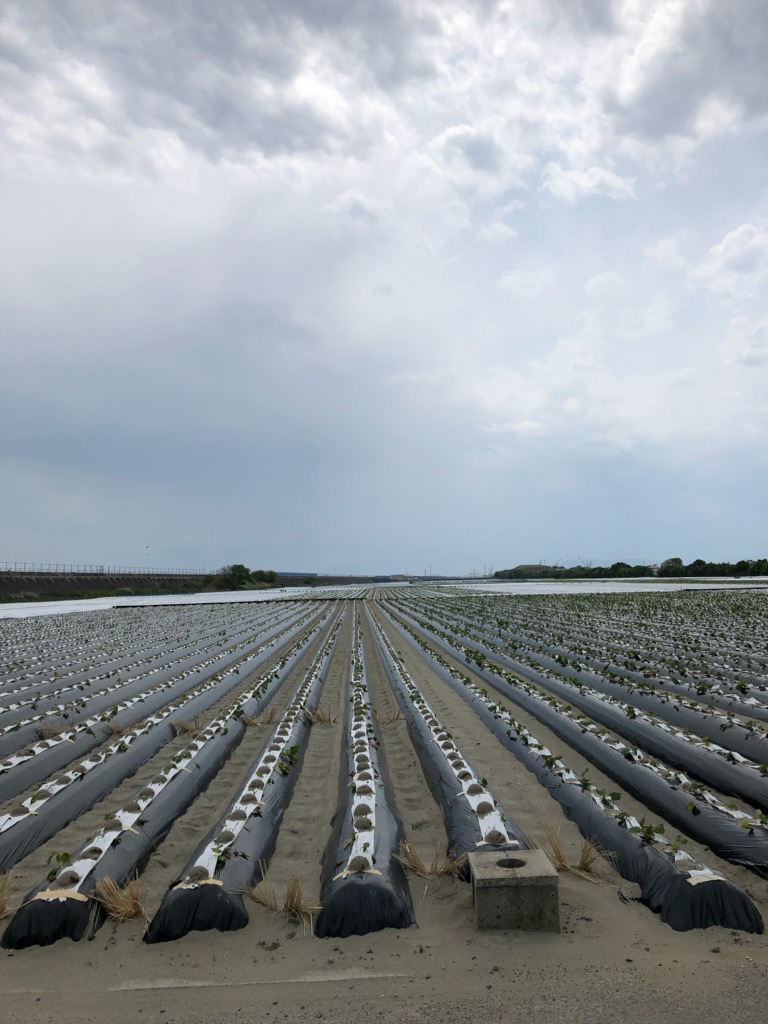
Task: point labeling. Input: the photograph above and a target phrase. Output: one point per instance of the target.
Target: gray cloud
(225, 80)
(716, 52)
(481, 152)
(597, 16)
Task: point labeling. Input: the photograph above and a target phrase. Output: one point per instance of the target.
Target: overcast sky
(358, 285)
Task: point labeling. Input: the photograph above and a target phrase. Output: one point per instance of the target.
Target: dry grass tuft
(294, 904)
(553, 847)
(247, 720)
(263, 893)
(412, 860)
(115, 729)
(590, 856)
(444, 865)
(320, 716)
(6, 891)
(120, 902)
(49, 729)
(269, 717)
(389, 716)
(183, 725)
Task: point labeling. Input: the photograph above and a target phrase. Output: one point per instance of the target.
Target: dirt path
(307, 821)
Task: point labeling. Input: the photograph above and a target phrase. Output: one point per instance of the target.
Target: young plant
(647, 830)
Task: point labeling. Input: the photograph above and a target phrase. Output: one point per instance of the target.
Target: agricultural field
(271, 803)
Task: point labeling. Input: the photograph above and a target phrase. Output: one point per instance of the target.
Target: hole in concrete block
(510, 862)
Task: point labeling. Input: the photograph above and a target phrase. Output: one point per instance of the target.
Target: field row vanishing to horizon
(234, 781)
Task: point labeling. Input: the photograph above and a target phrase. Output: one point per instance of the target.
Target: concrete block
(514, 889)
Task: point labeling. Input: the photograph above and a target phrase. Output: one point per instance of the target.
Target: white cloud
(358, 210)
(667, 252)
(495, 232)
(622, 378)
(571, 185)
(526, 283)
(746, 344)
(604, 285)
(519, 428)
(736, 268)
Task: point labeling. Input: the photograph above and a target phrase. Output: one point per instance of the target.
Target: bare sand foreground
(613, 962)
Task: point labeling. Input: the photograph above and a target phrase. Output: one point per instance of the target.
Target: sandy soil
(613, 962)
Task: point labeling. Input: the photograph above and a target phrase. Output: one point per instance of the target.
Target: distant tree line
(669, 567)
(698, 567)
(240, 577)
